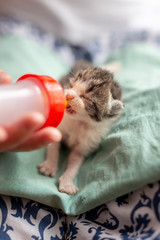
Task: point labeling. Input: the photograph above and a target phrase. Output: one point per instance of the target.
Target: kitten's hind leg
(66, 184)
(49, 166)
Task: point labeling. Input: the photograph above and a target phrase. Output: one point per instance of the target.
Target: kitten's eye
(82, 96)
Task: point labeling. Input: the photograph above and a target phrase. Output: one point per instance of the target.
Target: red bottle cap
(55, 94)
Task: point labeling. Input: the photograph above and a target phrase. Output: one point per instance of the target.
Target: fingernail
(38, 117)
(5, 78)
(3, 135)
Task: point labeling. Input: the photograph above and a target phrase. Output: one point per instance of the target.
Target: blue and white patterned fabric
(133, 216)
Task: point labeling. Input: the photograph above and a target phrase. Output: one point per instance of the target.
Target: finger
(20, 131)
(40, 139)
(5, 78)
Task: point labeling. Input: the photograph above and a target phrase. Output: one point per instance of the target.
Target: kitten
(94, 103)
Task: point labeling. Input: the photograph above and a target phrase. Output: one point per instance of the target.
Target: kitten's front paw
(47, 169)
(67, 186)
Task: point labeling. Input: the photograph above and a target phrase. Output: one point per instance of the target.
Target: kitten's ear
(116, 107)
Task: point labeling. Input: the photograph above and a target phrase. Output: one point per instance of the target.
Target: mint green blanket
(127, 159)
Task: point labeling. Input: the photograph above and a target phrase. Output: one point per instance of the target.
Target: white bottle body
(16, 100)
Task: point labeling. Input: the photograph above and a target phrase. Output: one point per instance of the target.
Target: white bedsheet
(79, 21)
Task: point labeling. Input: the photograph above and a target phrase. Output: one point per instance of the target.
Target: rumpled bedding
(126, 160)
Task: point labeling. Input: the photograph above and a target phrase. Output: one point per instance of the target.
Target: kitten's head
(92, 94)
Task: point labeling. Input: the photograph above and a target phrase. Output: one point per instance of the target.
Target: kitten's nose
(69, 96)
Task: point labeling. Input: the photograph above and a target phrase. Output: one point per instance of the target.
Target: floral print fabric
(133, 216)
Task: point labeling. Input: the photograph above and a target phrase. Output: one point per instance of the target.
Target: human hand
(22, 135)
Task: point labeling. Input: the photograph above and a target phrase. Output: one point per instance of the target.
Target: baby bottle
(30, 93)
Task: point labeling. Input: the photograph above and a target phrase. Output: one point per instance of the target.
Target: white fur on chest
(82, 135)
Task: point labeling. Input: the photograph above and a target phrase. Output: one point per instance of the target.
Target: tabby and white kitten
(94, 103)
